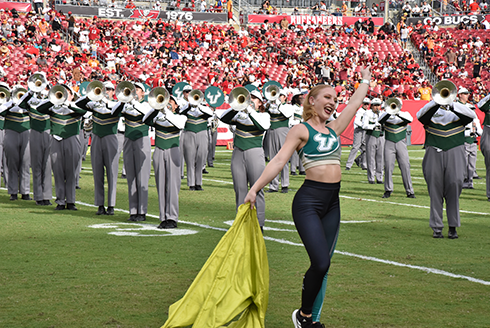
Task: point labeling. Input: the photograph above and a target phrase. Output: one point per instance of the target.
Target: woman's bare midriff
(329, 173)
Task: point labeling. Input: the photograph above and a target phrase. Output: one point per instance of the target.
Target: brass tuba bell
(17, 93)
(37, 82)
(158, 98)
(393, 105)
(96, 91)
(4, 95)
(444, 92)
(196, 97)
(125, 91)
(57, 95)
(271, 93)
(239, 98)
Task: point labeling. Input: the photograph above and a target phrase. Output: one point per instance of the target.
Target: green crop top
(320, 149)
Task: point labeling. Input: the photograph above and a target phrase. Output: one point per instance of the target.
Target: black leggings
(316, 214)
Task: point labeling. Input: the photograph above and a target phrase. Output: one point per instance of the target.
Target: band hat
(257, 95)
(139, 85)
(463, 90)
(283, 92)
(366, 101)
(376, 101)
(187, 88)
(109, 85)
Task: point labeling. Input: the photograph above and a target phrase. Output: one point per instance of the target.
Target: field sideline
(76, 269)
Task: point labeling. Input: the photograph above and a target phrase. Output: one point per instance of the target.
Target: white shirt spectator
(157, 6)
(203, 6)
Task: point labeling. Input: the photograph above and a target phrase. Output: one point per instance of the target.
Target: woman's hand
(366, 72)
(250, 198)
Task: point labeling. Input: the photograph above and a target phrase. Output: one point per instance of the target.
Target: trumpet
(57, 95)
(239, 98)
(393, 105)
(37, 82)
(158, 98)
(125, 91)
(17, 93)
(196, 97)
(444, 92)
(271, 93)
(4, 95)
(96, 91)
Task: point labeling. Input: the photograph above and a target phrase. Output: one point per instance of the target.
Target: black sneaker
(140, 217)
(204, 171)
(347, 168)
(284, 190)
(387, 194)
(101, 211)
(302, 173)
(192, 188)
(452, 234)
(411, 196)
(300, 321)
(26, 197)
(40, 202)
(437, 234)
(294, 173)
(71, 207)
(47, 202)
(477, 178)
(198, 187)
(110, 210)
(132, 218)
(60, 207)
(167, 224)
(270, 190)
(13, 197)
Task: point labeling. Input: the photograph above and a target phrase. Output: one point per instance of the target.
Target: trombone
(444, 92)
(158, 98)
(125, 91)
(57, 95)
(96, 91)
(196, 97)
(393, 105)
(239, 98)
(37, 82)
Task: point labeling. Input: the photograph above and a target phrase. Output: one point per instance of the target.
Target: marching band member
(484, 106)
(248, 160)
(136, 153)
(183, 102)
(359, 141)
(374, 142)
(444, 159)
(16, 144)
(167, 160)
(104, 146)
(280, 114)
(40, 146)
(3, 160)
(471, 132)
(65, 147)
(297, 103)
(395, 126)
(195, 144)
(212, 138)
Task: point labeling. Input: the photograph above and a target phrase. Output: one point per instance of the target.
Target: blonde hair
(308, 109)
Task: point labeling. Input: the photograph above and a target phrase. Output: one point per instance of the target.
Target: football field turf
(76, 269)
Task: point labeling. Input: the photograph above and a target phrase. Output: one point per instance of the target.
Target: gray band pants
(213, 138)
(296, 162)
(470, 158)
(105, 159)
(42, 180)
(276, 139)
(444, 174)
(374, 157)
(18, 155)
(195, 151)
(3, 161)
(358, 144)
(137, 158)
(397, 150)
(166, 164)
(246, 168)
(485, 149)
(65, 156)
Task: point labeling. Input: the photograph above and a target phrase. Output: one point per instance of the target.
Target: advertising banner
(19, 6)
(449, 20)
(106, 12)
(311, 19)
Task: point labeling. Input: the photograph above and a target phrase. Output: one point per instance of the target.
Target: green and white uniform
(295, 119)
(65, 147)
(471, 132)
(16, 146)
(484, 106)
(395, 127)
(248, 160)
(444, 160)
(375, 143)
(167, 160)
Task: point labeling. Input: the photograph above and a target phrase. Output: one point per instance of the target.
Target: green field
(76, 269)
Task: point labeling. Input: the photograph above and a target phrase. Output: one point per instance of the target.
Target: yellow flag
(234, 280)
